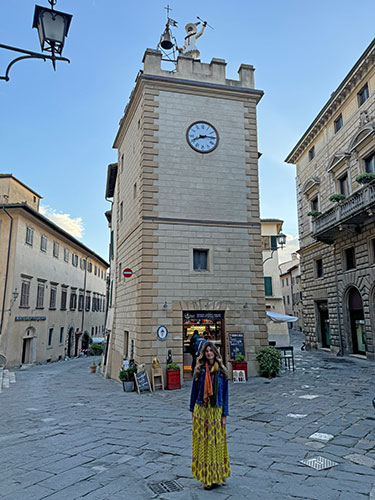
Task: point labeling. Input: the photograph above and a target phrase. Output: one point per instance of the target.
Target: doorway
(26, 351)
(69, 347)
(357, 322)
(325, 333)
(210, 325)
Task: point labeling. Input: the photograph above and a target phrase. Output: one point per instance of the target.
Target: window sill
(24, 307)
(39, 307)
(52, 308)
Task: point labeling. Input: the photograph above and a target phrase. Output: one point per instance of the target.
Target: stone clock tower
(186, 215)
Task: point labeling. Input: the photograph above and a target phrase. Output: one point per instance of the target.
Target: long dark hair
(201, 361)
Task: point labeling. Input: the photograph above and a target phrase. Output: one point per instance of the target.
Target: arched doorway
(28, 346)
(357, 322)
(69, 348)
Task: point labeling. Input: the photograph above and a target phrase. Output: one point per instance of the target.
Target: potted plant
(365, 178)
(239, 363)
(337, 197)
(314, 213)
(173, 376)
(269, 362)
(127, 378)
(93, 368)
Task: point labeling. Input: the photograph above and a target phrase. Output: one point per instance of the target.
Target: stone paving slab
(61, 440)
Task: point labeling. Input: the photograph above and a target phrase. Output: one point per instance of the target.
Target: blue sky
(57, 128)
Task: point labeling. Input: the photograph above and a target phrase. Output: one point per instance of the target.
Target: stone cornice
(337, 98)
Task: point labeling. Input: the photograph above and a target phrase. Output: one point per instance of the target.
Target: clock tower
(185, 216)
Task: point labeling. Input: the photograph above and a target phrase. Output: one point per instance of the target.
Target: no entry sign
(127, 272)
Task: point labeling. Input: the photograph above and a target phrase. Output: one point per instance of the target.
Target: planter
(240, 365)
(128, 386)
(173, 379)
(92, 369)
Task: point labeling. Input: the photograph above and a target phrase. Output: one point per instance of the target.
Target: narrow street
(68, 434)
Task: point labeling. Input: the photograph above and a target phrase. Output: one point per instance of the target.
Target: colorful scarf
(210, 391)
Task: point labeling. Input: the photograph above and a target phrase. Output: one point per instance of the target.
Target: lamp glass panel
(54, 27)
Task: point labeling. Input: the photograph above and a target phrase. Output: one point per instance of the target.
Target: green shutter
(273, 243)
(268, 286)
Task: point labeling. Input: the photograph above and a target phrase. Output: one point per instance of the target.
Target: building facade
(277, 332)
(185, 215)
(291, 289)
(337, 234)
(52, 287)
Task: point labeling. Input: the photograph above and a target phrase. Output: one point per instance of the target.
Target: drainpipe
(341, 351)
(7, 269)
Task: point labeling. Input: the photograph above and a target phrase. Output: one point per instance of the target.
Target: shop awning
(281, 318)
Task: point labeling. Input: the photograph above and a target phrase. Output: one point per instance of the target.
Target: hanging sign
(127, 272)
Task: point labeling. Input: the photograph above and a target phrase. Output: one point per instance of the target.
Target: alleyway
(67, 434)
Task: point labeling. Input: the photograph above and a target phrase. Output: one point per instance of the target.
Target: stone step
(12, 378)
(6, 379)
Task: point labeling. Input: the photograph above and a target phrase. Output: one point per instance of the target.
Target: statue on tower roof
(192, 35)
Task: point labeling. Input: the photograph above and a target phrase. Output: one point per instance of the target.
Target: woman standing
(209, 404)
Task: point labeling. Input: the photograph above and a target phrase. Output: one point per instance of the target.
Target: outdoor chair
(287, 357)
(3, 361)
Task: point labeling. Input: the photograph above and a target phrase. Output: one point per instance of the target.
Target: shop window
(370, 164)
(349, 258)
(343, 182)
(200, 260)
(338, 123)
(29, 236)
(25, 294)
(363, 95)
(312, 153)
(268, 286)
(319, 268)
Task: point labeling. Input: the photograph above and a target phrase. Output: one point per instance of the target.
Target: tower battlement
(192, 69)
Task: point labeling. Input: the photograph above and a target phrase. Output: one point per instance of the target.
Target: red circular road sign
(127, 272)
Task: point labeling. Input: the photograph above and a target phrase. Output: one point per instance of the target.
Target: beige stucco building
(185, 215)
(291, 289)
(277, 332)
(337, 239)
(52, 287)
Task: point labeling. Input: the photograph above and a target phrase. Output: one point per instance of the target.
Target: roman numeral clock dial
(202, 137)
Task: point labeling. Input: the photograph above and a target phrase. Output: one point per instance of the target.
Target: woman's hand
(223, 421)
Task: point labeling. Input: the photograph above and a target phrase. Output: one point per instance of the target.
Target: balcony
(348, 215)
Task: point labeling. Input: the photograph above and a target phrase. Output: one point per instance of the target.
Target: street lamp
(53, 27)
(281, 242)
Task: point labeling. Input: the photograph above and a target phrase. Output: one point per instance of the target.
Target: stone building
(291, 289)
(271, 228)
(52, 287)
(185, 214)
(337, 238)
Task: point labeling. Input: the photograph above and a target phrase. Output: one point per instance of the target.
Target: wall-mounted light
(165, 305)
(246, 305)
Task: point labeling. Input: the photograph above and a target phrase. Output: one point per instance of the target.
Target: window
(25, 294)
(312, 153)
(40, 296)
(349, 257)
(288, 299)
(61, 337)
(82, 263)
(284, 300)
(338, 123)
(80, 302)
(74, 259)
(93, 308)
(273, 243)
(121, 211)
(43, 243)
(268, 286)
(88, 301)
(122, 163)
(370, 164)
(73, 300)
(66, 254)
(56, 249)
(64, 294)
(50, 337)
(119, 272)
(319, 268)
(344, 184)
(363, 95)
(89, 267)
(52, 298)
(111, 246)
(314, 204)
(29, 236)
(372, 251)
(95, 270)
(287, 281)
(135, 191)
(200, 260)
(282, 282)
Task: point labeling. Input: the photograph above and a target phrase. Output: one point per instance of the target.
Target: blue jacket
(197, 391)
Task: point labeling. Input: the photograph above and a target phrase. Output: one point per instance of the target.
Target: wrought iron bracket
(29, 55)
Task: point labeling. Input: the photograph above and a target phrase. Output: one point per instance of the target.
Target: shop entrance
(357, 322)
(324, 323)
(210, 326)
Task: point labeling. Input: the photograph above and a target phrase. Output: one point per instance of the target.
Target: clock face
(202, 137)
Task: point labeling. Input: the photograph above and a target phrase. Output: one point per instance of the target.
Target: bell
(165, 41)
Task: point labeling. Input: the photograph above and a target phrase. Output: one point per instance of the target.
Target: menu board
(142, 382)
(236, 345)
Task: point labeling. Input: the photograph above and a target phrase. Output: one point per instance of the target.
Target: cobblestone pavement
(68, 434)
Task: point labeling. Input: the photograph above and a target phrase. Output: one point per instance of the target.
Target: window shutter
(268, 286)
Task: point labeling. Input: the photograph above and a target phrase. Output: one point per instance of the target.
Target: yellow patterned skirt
(210, 452)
